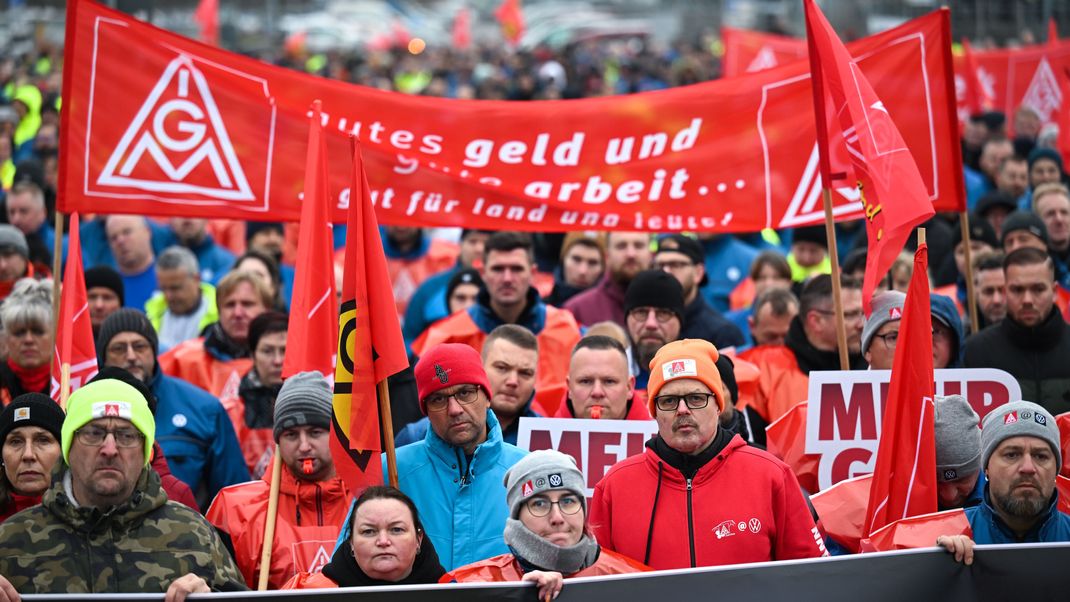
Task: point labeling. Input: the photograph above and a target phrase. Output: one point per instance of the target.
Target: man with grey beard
(1021, 457)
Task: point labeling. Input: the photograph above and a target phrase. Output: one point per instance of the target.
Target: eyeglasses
(640, 314)
(540, 506)
(891, 338)
(693, 401)
(139, 347)
(464, 396)
(94, 436)
(672, 266)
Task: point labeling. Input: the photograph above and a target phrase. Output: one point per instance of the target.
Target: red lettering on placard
(572, 445)
(986, 395)
(953, 388)
(636, 442)
(540, 440)
(841, 419)
(841, 466)
(598, 460)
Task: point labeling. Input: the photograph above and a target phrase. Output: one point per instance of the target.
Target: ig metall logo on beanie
(677, 368)
(112, 409)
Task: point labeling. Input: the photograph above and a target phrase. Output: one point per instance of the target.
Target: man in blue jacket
(455, 475)
(191, 425)
(1021, 457)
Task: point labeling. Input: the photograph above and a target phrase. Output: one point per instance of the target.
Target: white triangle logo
(177, 129)
(1043, 95)
(766, 59)
(320, 561)
(806, 206)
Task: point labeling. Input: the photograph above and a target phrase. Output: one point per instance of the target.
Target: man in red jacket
(313, 499)
(599, 385)
(699, 495)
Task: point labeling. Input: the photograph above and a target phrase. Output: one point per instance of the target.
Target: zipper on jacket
(319, 504)
(690, 525)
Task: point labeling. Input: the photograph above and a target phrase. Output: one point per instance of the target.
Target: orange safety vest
(556, 340)
(310, 517)
(506, 568)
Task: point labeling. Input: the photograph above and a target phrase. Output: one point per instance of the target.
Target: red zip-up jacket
(744, 505)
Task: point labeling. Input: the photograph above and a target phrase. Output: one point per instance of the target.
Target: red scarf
(32, 380)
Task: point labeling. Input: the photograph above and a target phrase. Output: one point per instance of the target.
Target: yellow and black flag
(370, 346)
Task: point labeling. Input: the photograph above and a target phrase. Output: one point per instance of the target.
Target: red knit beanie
(447, 365)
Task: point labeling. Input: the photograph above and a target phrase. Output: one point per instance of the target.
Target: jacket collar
(678, 465)
(811, 358)
(148, 495)
(533, 317)
(221, 346)
(1042, 337)
(489, 450)
(989, 513)
(305, 491)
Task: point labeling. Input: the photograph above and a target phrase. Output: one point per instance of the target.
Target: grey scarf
(531, 549)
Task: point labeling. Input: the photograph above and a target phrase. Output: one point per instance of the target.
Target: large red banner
(159, 124)
(1035, 76)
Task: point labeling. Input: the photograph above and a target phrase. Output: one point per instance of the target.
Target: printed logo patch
(724, 529)
(526, 489)
(1040, 419)
(1025, 415)
(555, 480)
(22, 414)
(895, 313)
(677, 368)
(540, 482)
(443, 376)
(950, 474)
(754, 525)
(1010, 418)
(111, 409)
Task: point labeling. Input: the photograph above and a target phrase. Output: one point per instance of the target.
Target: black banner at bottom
(1007, 572)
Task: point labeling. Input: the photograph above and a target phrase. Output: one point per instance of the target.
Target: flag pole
(57, 264)
(386, 424)
(64, 384)
(837, 299)
(971, 298)
(269, 524)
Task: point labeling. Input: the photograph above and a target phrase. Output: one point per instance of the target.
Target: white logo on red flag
(766, 59)
(1043, 94)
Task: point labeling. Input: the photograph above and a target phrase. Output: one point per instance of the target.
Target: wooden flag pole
(57, 265)
(971, 297)
(386, 425)
(64, 384)
(837, 300)
(921, 236)
(269, 524)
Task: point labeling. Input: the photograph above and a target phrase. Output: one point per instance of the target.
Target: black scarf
(687, 464)
(344, 570)
(222, 346)
(811, 358)
(259, 401)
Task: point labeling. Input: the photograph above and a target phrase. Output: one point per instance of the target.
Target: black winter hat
(980, 230)
(655, 288)
(105, 277)
(32, 409)
(1025, 220)
(814, 234)
(727, 369)
(995, 198)
(463, 276)
(253, 228)
(125, 320)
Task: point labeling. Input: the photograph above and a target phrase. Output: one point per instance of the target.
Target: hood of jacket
(148, 495)
(944, 309)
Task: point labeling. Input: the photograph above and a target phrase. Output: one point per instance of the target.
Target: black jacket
(702, 321)
(1038, 357)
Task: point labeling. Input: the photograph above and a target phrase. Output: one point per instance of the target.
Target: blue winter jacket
(989, 528)
(944, 308)
(197, 437)
(461, 504)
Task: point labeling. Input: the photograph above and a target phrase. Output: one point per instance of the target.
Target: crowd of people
(157, 477)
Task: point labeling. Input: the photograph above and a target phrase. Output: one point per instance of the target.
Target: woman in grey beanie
(547, 529)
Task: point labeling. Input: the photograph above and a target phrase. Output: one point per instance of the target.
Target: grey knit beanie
(539, 472)
(125, 319)
(1017, 419)
(13, 238)
(304, 400)
(886, 307)
(958, 438)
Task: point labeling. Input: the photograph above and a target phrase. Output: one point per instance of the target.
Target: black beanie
(463, 276)
(727, 370)
(655, 288)
(814, 234)
(125, 319)
(1025, 220)
(252, 228)
(105, 277)
(32, 409)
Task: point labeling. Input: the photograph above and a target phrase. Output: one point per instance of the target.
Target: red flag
(314, 307)
(977, 96)
(1053, 32)
(511, 17)
(370, 347)
(893, 194)
(74, 350)
(904, 479)
(207, 16)
(462, 29)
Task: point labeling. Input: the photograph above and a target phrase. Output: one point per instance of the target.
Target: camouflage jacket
(141, 545)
